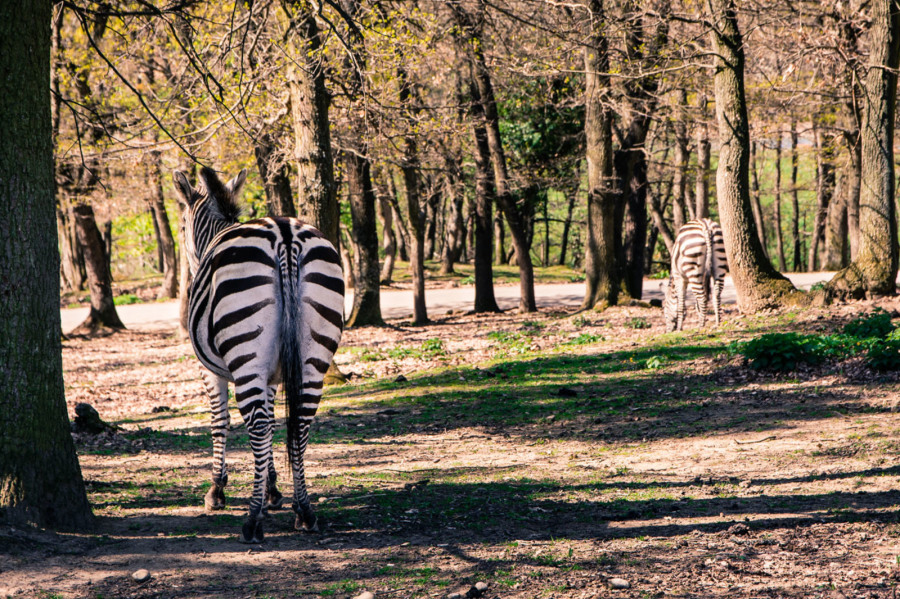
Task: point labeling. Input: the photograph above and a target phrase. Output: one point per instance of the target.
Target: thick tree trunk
(837, 254)
(96, 259)
(317, 194)
(758, 285)
(854, 191)
(275, 177)
(366, 308)
(779, 235)
(757, 206)
(874, 271)
(602, 285)
(701, 193)
(40, 479)
(72, 258)
(410, 168)
(796, 243)
(485, 300)
(169, 287)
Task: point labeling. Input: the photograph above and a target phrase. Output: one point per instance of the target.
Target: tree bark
(779, 235)
(758, 285)
(40, 479)
(410, 168)
(701, 197)
(169, 287)
(389, 244)
(317, 193)
(682, 158)
(485, 301)
(796, 243)
(456, 229)
(567, 227)
(837, 254)
(854, 191)
(757, 206)
(96, 259)
(874, 271)
(275, 176)
(72, 258)
(824, 191)
(366, 308)
(602, 286)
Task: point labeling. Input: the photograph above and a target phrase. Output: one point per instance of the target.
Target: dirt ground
(551, 456)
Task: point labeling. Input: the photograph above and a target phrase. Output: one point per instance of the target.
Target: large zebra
(266, 306)
(698, 260)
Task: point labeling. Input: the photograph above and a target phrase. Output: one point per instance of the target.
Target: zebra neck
(207, 240)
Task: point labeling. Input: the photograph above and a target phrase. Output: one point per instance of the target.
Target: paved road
(398, 304)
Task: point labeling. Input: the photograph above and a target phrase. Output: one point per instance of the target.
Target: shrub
(781, 352)
(125, 299)
(884, 354)
(875, 325)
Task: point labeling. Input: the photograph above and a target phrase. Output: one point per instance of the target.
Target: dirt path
(544, 457)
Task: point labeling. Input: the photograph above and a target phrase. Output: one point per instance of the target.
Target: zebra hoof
(214, 498)
(252, 532)
(307, 524)
(274, 499)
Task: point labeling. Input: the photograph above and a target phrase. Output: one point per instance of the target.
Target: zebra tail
(709, 254)
(291, 358)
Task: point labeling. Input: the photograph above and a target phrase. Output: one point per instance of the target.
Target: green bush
(781, 352)
(884, 354)
(875, 325)
(125, 299)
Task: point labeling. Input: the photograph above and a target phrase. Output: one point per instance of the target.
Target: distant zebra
(266, 306)
(698, 260)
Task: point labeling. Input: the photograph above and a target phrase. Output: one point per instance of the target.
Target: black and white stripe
(266, 307)
(698, 261)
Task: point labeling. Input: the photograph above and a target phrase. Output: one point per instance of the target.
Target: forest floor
(546, 455)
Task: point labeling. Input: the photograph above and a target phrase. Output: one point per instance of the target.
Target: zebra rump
(698, 262)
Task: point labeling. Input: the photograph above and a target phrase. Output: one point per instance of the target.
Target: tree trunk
(499, 235)
(567, 227)
(874, 271)
(779, 235)
(317, 197)
(410, 168)
(837, 255)
(96, 259)
(455, 230)
(757, 206)
(40, 479)
(701, 198)
(389, 244)
(72, 258)
(824, 191)
(682, 158)
(432, 204)
(169, 287)
(275, 177)
(485, 300)
(854, 191)
(602, 286)
(758, 285)
(366, 308)
(517, 225)
(796, 243)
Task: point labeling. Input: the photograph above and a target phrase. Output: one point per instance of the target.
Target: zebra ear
(234, 186)
(183, 187)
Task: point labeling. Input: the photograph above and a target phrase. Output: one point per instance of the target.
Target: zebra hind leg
(253, 404)
(306, 519)
(274, 498)
(217, 387)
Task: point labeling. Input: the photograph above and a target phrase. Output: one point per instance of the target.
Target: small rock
(619, 583)
(477, 590)
(365, 595)
(159, 409)
(567, 392)
(141, 575)
(400, 379)
(739, 529)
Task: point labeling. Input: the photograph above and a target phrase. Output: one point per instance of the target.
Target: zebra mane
(223, 204)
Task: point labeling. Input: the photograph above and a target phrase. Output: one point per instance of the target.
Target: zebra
(265, 306)
(698, 260)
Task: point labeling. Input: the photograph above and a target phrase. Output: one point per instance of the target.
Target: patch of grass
(583, 339)
(637, 322)
(125, 299)
(344, 587)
